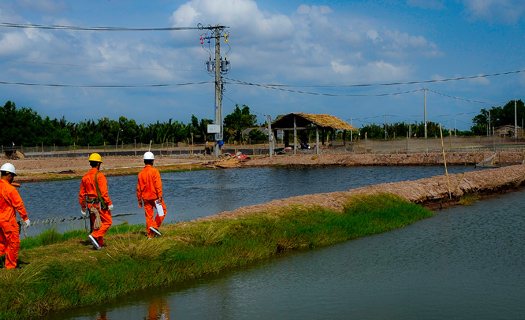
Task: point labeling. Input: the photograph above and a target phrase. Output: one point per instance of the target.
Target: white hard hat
(149, 156)
(7, 167)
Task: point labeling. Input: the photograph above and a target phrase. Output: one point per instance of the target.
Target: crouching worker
(9, 229)
(94, 199)
(149, 191)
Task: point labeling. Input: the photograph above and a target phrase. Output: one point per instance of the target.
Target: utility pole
(217, 66)
(270, 135)
(425, 114)
(351, 136)
(488, 131)
(515, 121)
(385, 126)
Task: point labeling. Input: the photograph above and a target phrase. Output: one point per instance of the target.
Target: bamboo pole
(445, 161)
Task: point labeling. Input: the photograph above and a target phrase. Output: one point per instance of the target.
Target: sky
(362, 61)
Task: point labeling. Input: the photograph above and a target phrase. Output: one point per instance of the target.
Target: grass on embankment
(70, 273)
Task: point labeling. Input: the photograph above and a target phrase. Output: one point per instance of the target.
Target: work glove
(27, 223)
(110, 208)
(84, 212)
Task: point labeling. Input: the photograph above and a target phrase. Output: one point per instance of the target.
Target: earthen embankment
(389, 159)
(433, 193)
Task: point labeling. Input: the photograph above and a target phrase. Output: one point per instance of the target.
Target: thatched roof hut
(306, 121)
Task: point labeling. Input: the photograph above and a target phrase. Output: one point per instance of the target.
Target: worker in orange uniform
(9, 229)
(149, 192)
(94, 199)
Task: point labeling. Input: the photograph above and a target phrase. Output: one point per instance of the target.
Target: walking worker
(94, 199)
(149, 192)
(9, 229)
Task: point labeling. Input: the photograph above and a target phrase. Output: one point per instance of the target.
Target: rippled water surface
(193, 194)
(464, 263)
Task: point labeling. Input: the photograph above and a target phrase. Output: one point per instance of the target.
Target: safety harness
(95, 201)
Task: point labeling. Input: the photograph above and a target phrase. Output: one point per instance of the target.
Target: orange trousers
(9, 242)
(150, 222)
(107, 221)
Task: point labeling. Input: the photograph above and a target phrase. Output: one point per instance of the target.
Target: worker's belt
(92, 200)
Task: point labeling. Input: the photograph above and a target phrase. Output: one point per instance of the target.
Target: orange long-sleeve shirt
(9, 201)
(87, 187)
(149, 185)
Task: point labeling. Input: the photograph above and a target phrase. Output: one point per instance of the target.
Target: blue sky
(321, 48)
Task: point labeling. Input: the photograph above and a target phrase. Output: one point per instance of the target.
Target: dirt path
(31, 170)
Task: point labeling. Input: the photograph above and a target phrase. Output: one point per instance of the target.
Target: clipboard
(158, 206)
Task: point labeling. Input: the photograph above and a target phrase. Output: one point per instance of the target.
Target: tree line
(24, 126)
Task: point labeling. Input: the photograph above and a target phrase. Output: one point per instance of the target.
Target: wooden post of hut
(294, 136)
(344, 139)
(316, 139)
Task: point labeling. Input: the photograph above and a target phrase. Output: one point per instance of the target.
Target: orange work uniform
(88, 190)
(149, 189)
(9, 230)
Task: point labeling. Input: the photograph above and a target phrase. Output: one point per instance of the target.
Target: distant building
(507, 130)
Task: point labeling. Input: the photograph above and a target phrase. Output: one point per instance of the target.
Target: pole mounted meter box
(214, 128)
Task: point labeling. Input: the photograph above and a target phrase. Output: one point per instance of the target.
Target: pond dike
(431, 193)
(457, 158)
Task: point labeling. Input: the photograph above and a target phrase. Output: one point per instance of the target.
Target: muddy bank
(433, 193)
(31, 170)
(389, 159)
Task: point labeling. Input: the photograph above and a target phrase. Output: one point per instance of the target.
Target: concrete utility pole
(218, 91)
(270, 135)
(515, 120)
(425, 115)
(488, 129)
(385, 126)
(218, 66)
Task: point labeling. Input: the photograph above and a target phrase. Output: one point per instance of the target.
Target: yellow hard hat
(95, 157)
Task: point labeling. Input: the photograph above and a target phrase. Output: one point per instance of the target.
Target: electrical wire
(273, 87)
(394, 83)
(77, 28)
(104, 86)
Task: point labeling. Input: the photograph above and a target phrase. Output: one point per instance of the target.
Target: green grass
(469, 199)
(68, 273)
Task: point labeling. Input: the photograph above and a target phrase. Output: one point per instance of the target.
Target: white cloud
(237, 14)
(505, 11)
(400, 45)
(341, 68)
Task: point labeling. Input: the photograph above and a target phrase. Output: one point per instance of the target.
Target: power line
(457, 98)
(388, 84)
(104, 86)
(77, 28)
(277, 87)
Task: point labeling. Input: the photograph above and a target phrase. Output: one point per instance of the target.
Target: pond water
(194, 194)
(464, 263)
